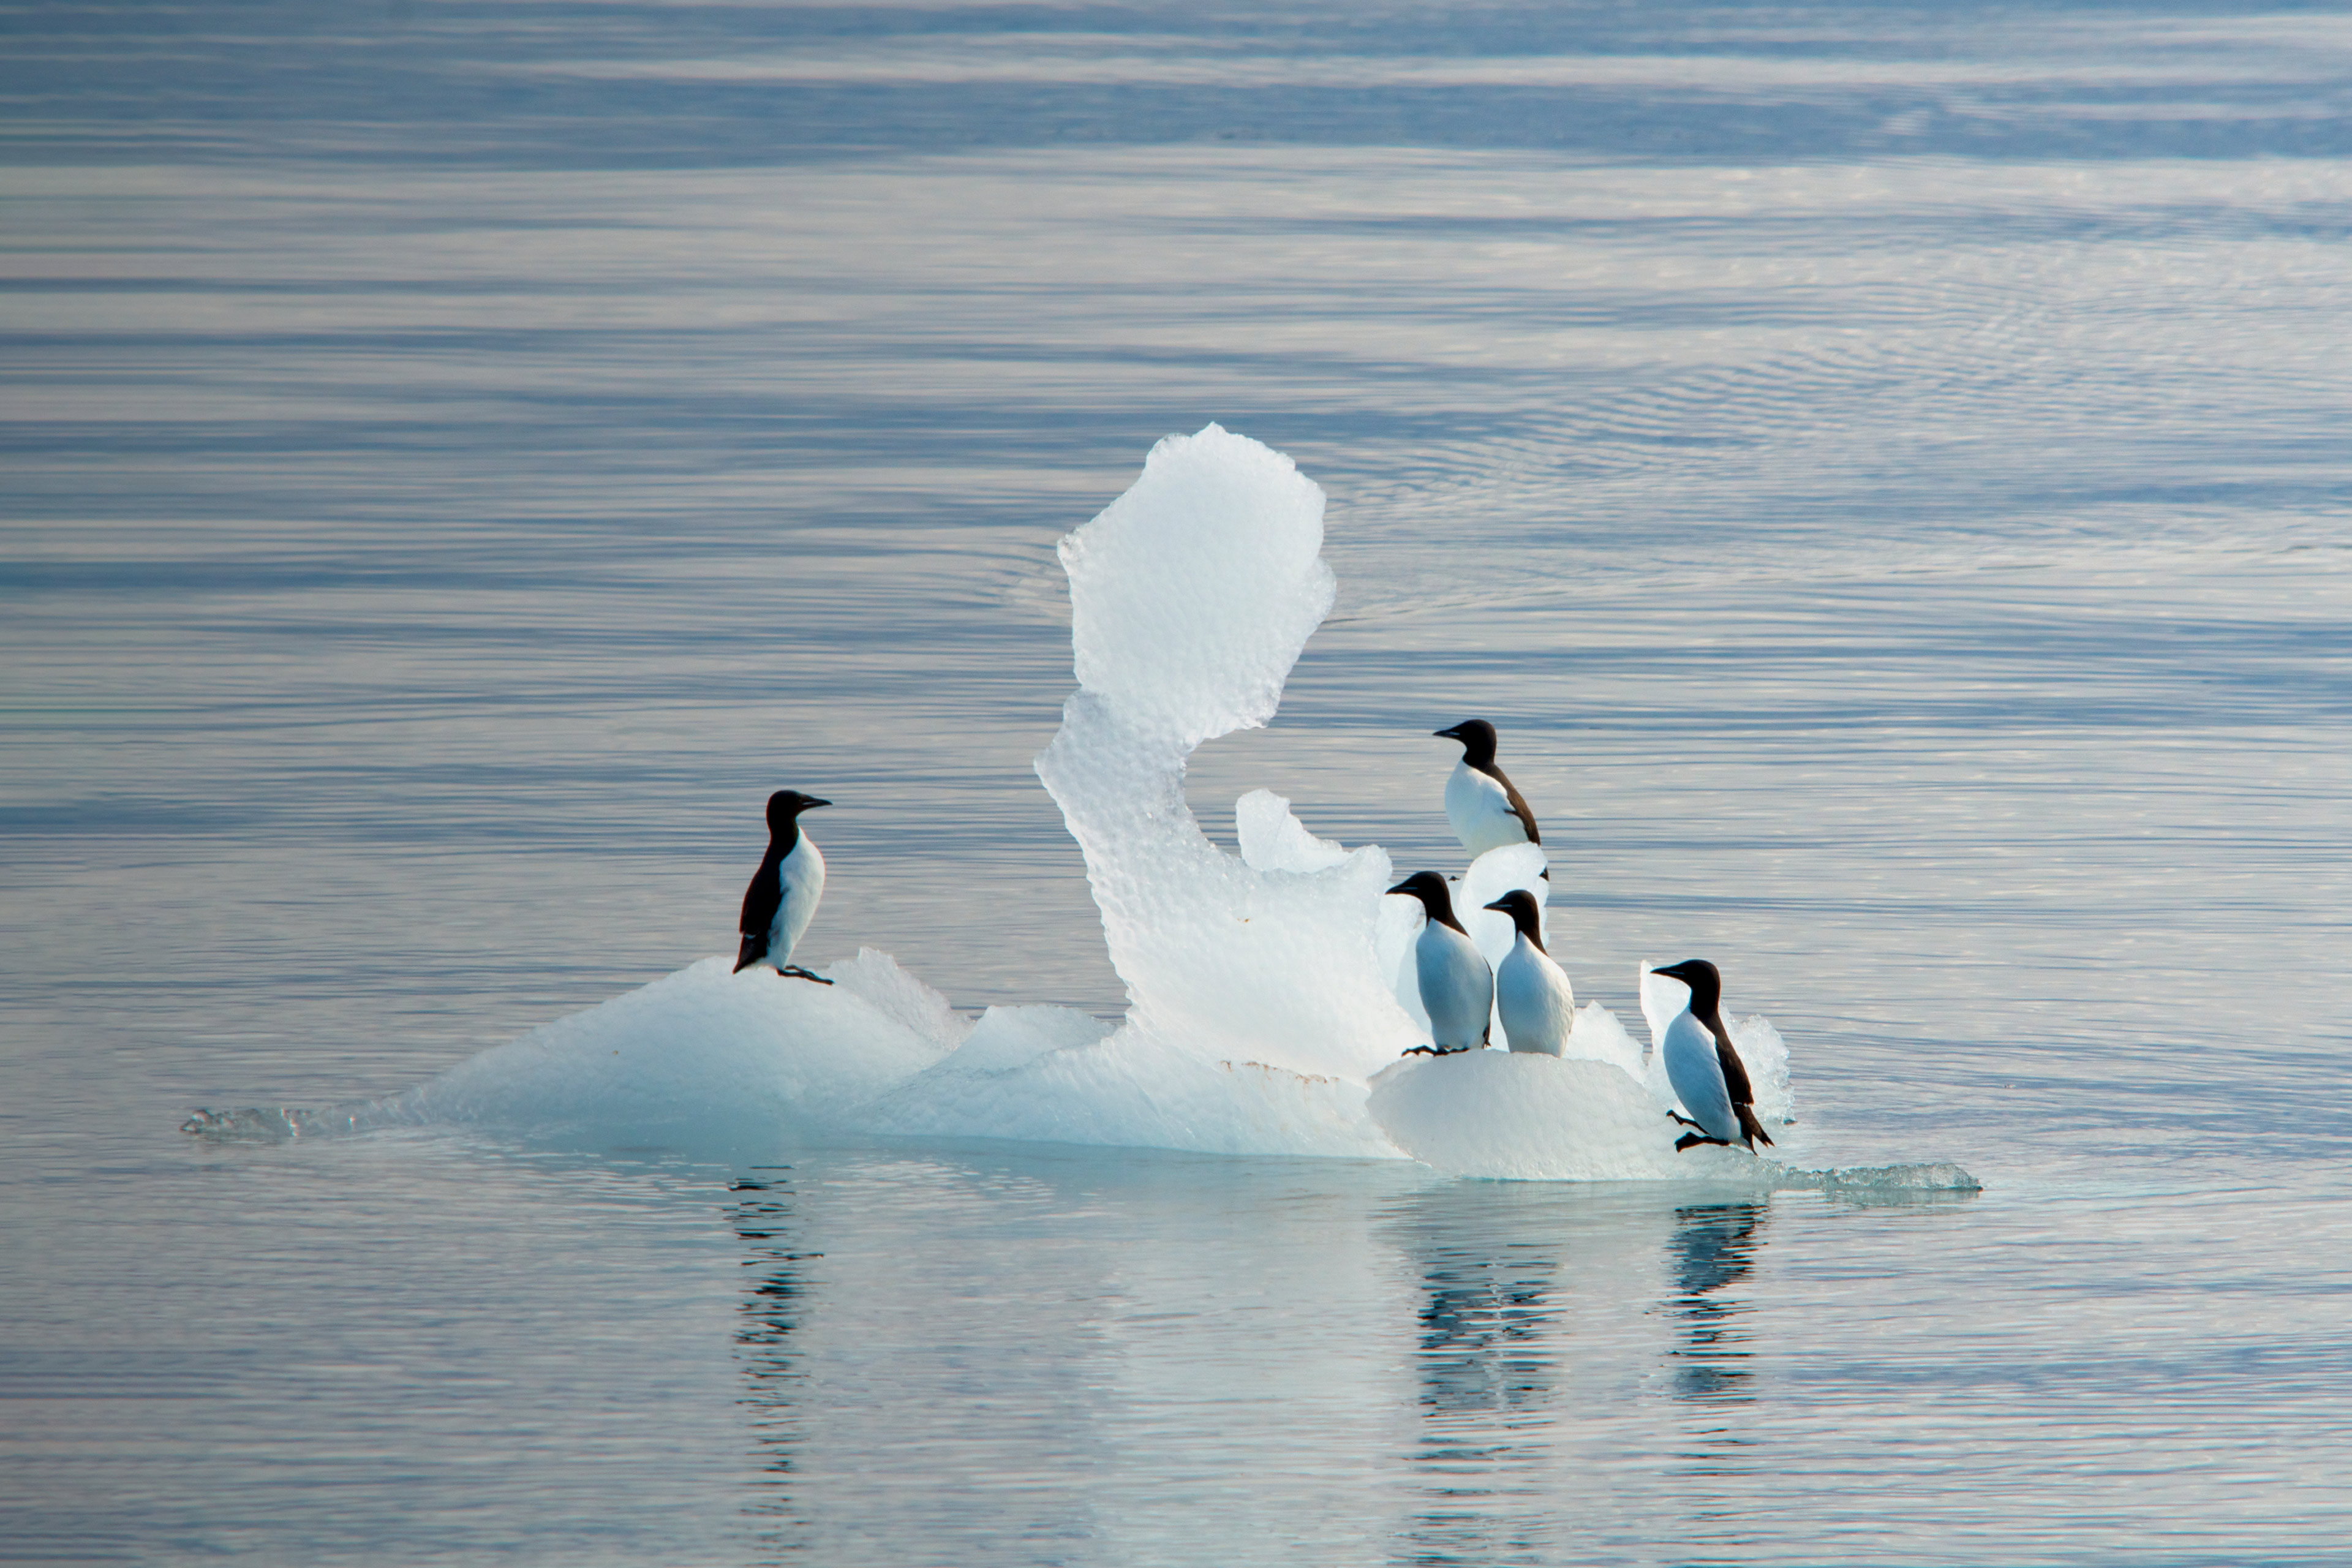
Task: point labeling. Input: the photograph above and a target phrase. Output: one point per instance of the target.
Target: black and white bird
(1705, 1071)
(1485, 809)
(1531, 992)
(1457, 989)
(784, 891)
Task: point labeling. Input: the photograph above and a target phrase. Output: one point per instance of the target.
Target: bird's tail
(1750, 1128)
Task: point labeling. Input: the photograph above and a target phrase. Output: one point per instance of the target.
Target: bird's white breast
(1697, 1074)
(1457, 989)
(1479, 811)
(1537, 1005)
(802, 877)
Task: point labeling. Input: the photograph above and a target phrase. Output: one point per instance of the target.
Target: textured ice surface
(1588, 1114)
(1518, 1116)
(1272, 839)
(1597, 1036)
(1192, 594)
(1134, 1089)
(898, 995)
(1270, 992)
(1190, 597)
(756, 1052)
(1395, 927)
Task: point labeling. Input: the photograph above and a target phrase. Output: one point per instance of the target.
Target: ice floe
(1270, 997)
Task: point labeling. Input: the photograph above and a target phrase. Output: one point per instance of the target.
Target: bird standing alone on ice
(1531, 992)
(1706, 1071)
(1457, 989)
(1485, 809)
(784, 891)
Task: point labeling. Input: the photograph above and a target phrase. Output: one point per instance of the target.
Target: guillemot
(1457, 989)
(1531, 992)
(1705, 1071)
(784, 891)
(1484, 807)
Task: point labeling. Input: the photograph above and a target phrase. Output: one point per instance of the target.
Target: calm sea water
(1883, 467)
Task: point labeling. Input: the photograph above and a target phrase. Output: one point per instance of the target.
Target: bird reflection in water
(1482, 1322)
(772, 1306)
(1488, 1363)
(1714, 1247)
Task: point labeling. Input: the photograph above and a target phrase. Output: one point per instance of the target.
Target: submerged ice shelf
(1269, 994)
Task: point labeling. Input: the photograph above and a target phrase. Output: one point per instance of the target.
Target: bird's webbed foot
(797, 972)
(1677, 1116)
(1689, 1140)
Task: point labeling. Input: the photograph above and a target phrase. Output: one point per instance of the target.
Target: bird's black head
(1521, 905)
(1477, 738)
(786, 804)
(1706, 982)
(1430, 889)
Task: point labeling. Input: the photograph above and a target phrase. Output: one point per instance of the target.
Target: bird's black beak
(1454, 733)
(1403, 887)
(1501, 905)
(811, 804)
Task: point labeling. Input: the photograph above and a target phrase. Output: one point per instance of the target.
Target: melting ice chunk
(1128, 1088)
(1272, 839)
(702, 1058)
(1193, 593)
(1190, 597)
(705, 1059)
(1527, 1117)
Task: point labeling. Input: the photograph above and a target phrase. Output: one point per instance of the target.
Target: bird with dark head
(1531, 992)
(1704, 1069)
(783, 894)
(1457, 989)
(1484, 807)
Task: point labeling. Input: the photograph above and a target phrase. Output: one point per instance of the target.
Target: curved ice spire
(1190, 597)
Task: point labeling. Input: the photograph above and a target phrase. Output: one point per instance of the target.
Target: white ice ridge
(1270, 993)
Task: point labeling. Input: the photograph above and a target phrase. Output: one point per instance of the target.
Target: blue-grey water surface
(1883, 467)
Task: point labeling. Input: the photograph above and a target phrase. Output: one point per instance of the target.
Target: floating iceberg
(1270, 997)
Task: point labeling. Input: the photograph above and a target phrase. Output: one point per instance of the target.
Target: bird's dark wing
(1519, 804)
(1735, 1071)
(1735, 1084)
(762, 898)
